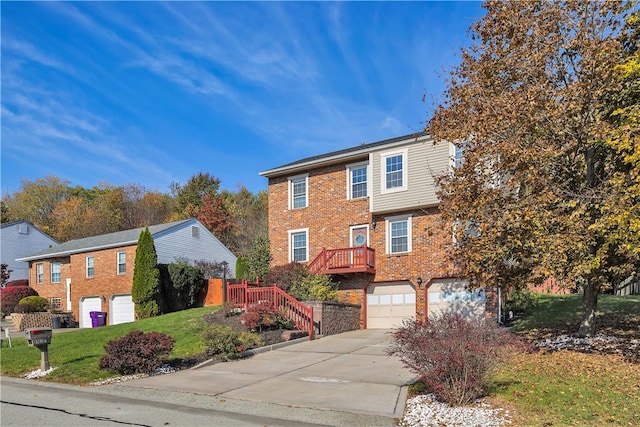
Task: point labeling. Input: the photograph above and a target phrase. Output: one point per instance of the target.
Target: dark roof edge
(341, 155)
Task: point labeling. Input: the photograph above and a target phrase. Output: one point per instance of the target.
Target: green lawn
(569, 388)
(76, 354)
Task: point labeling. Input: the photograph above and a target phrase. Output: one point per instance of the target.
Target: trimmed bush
(11, 296)
(38, 303)
(222, 342)
(520, 301)
(451, 355)
(260, 316)
(137, 353)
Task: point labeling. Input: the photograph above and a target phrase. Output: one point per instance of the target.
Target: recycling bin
(98, 318)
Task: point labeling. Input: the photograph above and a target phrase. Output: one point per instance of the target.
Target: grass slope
(76, 354)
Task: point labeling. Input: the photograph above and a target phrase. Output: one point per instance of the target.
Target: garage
(453, 295)
(388, 304)
(121, 309)
(87, 305)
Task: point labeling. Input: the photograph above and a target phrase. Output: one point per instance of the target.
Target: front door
(360, 241)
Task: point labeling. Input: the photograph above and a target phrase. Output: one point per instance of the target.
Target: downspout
(69, 294)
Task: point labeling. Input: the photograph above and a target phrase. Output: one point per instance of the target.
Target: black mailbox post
(40, 338)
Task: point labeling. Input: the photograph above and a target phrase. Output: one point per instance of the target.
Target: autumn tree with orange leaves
(544, 107)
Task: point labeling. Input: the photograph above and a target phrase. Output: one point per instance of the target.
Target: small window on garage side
(90, 267)
(122, 262)
(56, 303)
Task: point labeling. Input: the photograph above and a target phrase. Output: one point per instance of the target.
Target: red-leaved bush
(452, 355)
(260, 315)
(137, 352)
(11, 296)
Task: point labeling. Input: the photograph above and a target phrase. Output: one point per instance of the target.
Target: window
(399, 234)
(298, 192)
(122, 262)
(357, 176)
(39, 273)
(55, 303)
(55, 272)
(394, 171)
(298, 248)
(89, 267)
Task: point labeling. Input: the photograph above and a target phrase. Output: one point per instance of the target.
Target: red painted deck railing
(243, 295)
(360, 259)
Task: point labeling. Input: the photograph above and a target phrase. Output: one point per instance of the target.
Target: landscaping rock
(292, 335)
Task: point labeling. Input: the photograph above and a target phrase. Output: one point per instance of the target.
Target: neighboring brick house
(369, 216)
(96, 273)
(19, 239)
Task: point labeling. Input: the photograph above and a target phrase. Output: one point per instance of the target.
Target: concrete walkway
(349, 373)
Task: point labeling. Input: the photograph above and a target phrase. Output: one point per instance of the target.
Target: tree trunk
(589, 306)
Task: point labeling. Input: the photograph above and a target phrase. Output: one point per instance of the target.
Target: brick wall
(328, 217)
(105, 282)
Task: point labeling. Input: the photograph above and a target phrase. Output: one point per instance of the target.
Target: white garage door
(122, 309)
(452, 295)
(389, 303)
(87, 305)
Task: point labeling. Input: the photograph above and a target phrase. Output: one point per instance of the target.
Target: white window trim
(51, 272)
(290, 186)
(388, 222)
(86, 265)
(350, 169)
(118, 263)
(291, 233)
(39, 273)
(383, 171)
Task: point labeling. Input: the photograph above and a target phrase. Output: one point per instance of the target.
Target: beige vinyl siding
(424, 162)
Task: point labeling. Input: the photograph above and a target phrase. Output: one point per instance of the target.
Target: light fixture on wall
(373, 224)
(419, 280)
(104, 298)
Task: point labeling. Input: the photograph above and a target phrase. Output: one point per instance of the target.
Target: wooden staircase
(244, 295)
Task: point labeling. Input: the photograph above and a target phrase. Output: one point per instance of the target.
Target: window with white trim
(298, 194)
(298, 245)
(394, 171)
(39, 273)
(357, 180)
(90, 268)
(55, 272)
(122, 262)
(398, 234)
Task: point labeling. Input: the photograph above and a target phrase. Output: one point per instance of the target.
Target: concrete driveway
(348, 373)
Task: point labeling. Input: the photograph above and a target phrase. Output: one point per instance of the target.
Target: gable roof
(341, 155)
(24, 221)
(103, 241)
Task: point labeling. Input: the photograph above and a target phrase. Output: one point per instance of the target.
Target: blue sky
(152, 93)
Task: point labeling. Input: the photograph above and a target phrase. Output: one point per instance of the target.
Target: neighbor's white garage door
(389, 303)
(451, 294)
(87, 305)
(122, 309)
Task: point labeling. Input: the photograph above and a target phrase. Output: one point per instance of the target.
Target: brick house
(96, 273)
(369, 217)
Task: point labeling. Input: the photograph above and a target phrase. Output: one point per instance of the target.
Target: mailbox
(38, 336)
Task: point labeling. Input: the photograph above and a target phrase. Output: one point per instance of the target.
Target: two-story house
(96, 273)
(369, 216)
(19, 239)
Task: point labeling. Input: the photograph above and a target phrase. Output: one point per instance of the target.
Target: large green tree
(146, 290)
(530, 105)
